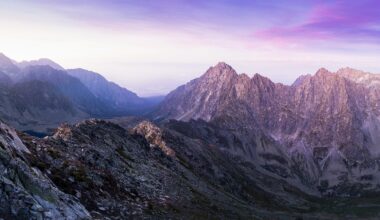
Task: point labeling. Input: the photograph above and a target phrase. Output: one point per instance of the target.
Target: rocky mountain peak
(7, 65)
(350, 70)
(322, 72)
(222, 65)
(324, 80)
(321, 112)
(262, 80)
(301, 79)
(220, 71)
(41, 62)
(4, 58)
(357, 75)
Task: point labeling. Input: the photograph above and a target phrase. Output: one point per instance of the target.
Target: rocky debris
(25, 192)
(116, 173)
(97, 169)
(153, 135)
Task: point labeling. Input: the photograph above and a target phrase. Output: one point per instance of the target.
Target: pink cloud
(348, 21)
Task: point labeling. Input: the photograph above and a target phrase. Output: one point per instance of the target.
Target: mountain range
(322, 132)
(39, 95)
(222, 146)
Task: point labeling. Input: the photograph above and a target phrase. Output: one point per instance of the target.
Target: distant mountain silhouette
(40, 62)
(121, 100)
(41, 94)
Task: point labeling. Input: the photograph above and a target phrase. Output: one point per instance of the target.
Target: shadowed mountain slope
(64, 96)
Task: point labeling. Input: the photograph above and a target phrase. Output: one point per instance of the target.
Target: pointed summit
(260, 77)
(322, 71)
(7, 66)
(4, 59)
(261, 80)
(301, 79)
(351, 73)
(348, 69)
(365, 78)
(221, 69)
(222, 65)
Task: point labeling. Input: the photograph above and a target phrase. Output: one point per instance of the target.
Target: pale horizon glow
(154, 47)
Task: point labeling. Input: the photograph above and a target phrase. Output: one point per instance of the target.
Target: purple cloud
(324, 22)
(351, 21)
(224, 15)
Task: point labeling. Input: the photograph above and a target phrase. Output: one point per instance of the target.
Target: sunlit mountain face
(189, 109)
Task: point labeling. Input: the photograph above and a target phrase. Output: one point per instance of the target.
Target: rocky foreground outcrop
(26, 192)
(175, 170)
(150, 172)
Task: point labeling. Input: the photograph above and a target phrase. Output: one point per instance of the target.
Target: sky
(153, 46)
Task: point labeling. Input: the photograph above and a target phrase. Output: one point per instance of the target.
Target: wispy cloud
(345, 21)
(142, 43)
